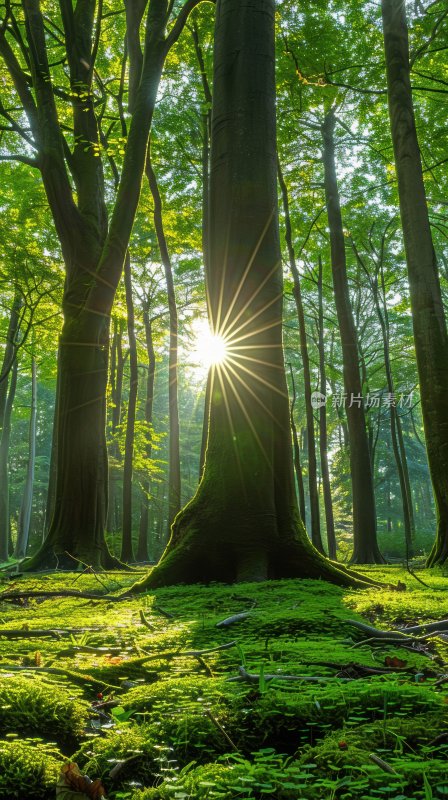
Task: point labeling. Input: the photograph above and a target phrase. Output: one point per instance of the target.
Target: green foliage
(29, 769)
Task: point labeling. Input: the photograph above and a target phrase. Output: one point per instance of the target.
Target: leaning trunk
(243, 523)
(364, 517)
(430, 333)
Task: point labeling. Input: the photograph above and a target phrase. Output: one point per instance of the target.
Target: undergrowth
(122, 689)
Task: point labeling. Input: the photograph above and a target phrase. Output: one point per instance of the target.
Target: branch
(181, 21)
(30, 162)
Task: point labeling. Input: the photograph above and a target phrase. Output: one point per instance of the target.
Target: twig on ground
(231, 620)
(221, 729)
(163, 612)
(382, 764)
(209, 650)
(145, 622)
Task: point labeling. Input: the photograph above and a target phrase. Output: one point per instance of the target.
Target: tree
(364, 517)
(243, 523)
(27, 499)
(430, 332)
(93, 246)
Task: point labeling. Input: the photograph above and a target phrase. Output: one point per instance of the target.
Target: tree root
(14, 596)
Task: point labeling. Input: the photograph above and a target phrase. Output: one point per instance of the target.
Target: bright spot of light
(209, 349)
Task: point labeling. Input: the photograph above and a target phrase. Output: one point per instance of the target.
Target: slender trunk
(174, 492)
(114, 514)
(204, 438)
(27, 499)
(50, 501)
(430, 332)
(127, 549)
(4, 471)
(142, 547)
(243, 522)
(364, 518)
(323, 435)
(10, 352)
(312, 459)
(296, 452)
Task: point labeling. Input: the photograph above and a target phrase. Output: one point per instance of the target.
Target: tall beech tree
(243, 522)
(366, 549)
(428, 317)
(93, 246)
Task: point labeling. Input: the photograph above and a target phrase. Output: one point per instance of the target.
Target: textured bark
(243, 523)
(114, 516)
(27, 499)
(430, 332)
(323, 435)
(4, 471)
(174, 479)
(364, 517)
(127, 549)
(312, 459)
(142, 547)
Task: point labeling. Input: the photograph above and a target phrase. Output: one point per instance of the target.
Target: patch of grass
(29, 768)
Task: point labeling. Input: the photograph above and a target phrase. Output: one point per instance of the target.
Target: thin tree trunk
(364, 517)
(316, 537)
(4, 471)
(430, 332)
(323, 435)
(142, 547)
(114, 514)
(296, 452)
(174, 479)
(27, 499)
(10, 352)
(127, 549)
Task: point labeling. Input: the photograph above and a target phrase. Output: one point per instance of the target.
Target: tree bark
(364, 517)
(127, 549)
(428, 317)
(142, 547)
(316, 537)
(4, 471)
(10, 352)
(296, 452)
(323, 434)
(27, 499)
(114, 515)
(174, 479)
(243, 523)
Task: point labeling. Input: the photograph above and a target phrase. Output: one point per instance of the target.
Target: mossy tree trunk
(243, 523)
(428, 317)
(366, 549)
(127, 548)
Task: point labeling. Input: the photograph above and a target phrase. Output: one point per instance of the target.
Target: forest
(223, 399)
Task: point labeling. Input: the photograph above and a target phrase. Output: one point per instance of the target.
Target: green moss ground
(183, 730)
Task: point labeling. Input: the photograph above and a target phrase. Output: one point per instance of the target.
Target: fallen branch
(253, 678)
(75, 677)
(231, 620)
(37, 633)
(221, 730)
(209, 650)
(164, 613)
(382, 764)
(61, 593)
(375, 633)
(429, 627)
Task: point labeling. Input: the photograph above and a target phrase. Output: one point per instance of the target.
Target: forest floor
(121, 689)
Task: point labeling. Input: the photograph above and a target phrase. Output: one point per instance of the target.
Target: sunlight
(210, 350)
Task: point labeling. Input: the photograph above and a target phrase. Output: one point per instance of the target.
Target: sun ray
(257, 377)
(253, 394)
(219, 369)
(247, 270)
(252, 298)
(247, 416)
(257, 314)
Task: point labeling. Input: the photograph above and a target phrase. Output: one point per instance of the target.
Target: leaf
(394, 661)
(74, 786)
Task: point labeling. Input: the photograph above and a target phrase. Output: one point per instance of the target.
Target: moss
(31, 705)
(98, 756)
(29, 769)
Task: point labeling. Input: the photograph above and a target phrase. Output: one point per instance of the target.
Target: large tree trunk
(174, 478)
(27, 499)
(430, 333)
(312, 460)
(127, 549)
(364, 517)
(243, 523)
(4, 471)
(323, 434)
(142, 547)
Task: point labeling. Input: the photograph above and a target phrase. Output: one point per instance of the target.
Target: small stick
(209, 650)
(221, 729)
(206, 666)
(144, 621)
(231, 620)
(164, 613)
(382, 764)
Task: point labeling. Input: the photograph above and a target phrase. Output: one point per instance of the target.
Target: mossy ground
(184, 730)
